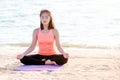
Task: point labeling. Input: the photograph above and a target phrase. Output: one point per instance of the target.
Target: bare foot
(49, 62)
(54, 63)
(43, 59)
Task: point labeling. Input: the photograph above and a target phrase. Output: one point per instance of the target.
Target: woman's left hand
(66, 55)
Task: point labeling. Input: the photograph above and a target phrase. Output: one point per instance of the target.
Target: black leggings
(37, 59)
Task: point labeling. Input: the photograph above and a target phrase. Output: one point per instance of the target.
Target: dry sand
(84, 64)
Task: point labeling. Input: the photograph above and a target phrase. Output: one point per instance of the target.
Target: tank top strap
(50, 30)
(39, 31)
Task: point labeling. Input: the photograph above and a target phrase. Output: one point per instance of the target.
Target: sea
(81, 23)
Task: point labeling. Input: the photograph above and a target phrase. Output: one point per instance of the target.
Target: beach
(89, 32)
(84, 64)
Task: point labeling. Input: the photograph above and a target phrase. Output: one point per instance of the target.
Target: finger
(17, 57)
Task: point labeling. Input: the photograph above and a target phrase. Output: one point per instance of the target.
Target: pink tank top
(46, 43)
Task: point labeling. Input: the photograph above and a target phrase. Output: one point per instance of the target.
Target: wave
(17, 44)
(84, 46)
(67, 45)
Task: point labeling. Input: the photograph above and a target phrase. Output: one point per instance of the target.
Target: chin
(45, 23)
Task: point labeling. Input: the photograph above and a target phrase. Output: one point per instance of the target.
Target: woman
(45, 36)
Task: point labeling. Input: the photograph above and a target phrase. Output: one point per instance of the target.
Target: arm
(32, 46)
(57, 40)
(34, 41)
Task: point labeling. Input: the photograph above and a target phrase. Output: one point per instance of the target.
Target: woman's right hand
(20, 56)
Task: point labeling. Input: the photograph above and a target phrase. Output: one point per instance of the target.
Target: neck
(45, 27)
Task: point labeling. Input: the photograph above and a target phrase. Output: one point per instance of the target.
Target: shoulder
(55, 31)
(35, 31)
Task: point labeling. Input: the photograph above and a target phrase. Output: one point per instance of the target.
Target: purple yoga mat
(36, 67)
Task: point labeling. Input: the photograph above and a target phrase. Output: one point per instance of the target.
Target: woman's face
(45, 18)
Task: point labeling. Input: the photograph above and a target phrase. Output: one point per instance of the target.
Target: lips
(44, 21)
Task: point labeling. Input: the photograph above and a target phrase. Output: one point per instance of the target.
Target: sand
(84, 64)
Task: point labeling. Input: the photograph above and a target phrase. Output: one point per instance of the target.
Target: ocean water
(81, 23)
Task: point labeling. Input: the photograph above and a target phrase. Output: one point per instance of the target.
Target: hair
(50, 24)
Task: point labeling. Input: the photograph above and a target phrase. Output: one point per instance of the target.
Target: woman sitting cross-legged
(45, 36)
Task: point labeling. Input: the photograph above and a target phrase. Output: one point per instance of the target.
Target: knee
(65, 61)
(23, 60)
(62, 61)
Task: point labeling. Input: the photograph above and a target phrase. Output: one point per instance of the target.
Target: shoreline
(65, 45)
